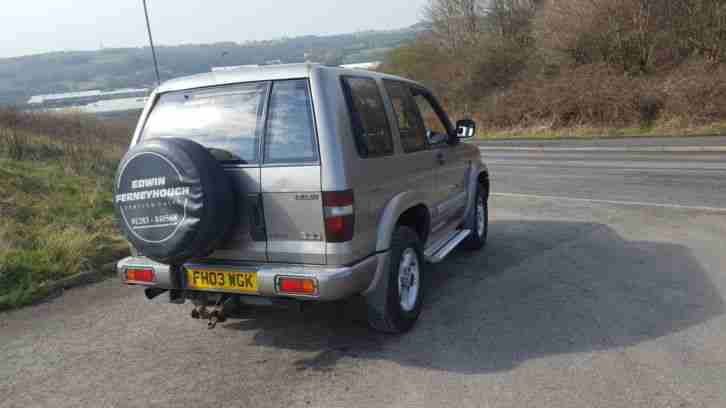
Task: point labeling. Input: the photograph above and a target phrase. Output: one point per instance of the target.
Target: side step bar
(438, 250)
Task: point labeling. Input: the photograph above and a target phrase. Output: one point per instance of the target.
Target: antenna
(151, 41)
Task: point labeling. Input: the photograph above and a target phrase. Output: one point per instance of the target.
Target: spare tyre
(173, 200)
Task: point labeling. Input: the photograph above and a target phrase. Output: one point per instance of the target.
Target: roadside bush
(475, 48)
(499, 65)
(649, 107)
(696, 93)
(554, 64)
(462, 79)
(700, 28)
(420, 59)
(596, 94)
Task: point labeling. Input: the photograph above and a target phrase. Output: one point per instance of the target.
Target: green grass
(56, 222)
(586, 132)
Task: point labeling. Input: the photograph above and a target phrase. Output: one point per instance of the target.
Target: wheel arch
(483, 180)
(404, 209)
(417, 218)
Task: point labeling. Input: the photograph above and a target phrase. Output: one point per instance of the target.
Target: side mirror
(435, 138)
(465, 128)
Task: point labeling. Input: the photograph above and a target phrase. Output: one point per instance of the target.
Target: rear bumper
(333, 283)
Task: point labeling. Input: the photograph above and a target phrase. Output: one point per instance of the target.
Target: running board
(438, 250)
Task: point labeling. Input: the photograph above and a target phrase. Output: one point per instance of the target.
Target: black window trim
(354, 116)
(440, 112)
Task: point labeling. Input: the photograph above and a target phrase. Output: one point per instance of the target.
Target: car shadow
(539, 289)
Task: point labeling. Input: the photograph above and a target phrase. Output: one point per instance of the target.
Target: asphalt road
(676, 178)
(602, 285)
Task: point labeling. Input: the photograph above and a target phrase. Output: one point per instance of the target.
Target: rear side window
(226, 120)
(290, 132)
(410, 127)
(368, 116)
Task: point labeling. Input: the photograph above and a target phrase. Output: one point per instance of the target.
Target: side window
(410, 127)
(370, 126)
(432, 120)
(290, 132)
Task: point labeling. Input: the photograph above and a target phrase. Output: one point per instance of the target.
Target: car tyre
(478, 222)
(404, 293)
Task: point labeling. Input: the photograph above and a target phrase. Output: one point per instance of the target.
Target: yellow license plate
(218, 279)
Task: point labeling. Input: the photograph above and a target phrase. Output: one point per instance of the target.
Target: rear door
(263, 134)
(229, 121)
(418, 165)
(290, 177)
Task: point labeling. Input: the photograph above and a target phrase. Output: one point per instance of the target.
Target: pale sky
(35, 26)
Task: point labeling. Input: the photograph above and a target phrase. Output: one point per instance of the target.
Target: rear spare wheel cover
(152, 197)
(173, 200)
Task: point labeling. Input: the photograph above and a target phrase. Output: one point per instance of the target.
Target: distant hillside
(72, 71)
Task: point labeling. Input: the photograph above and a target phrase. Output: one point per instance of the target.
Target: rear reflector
(304, 286)
(339, 215)
(140, 274)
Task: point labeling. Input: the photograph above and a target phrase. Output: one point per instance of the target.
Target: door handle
(440, 158)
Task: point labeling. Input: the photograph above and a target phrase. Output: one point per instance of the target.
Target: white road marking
(661, 164)
(610, 171)
(632, 149)
(631, 203)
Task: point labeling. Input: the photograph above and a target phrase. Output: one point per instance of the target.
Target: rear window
(368, 116)
(227, 120)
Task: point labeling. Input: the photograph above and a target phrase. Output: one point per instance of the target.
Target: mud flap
(376, 296)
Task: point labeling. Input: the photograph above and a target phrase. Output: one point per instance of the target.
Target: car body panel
(248, 239)
(293, 214)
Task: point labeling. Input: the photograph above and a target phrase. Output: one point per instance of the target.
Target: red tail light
(305, 286)
(339, 215)
(140, 274)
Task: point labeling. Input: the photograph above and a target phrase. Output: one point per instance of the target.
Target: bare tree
(511, 19)
(456, 23)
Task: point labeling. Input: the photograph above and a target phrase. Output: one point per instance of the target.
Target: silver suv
(297, 183)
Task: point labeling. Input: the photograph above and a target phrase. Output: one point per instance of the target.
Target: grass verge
(56, 211)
